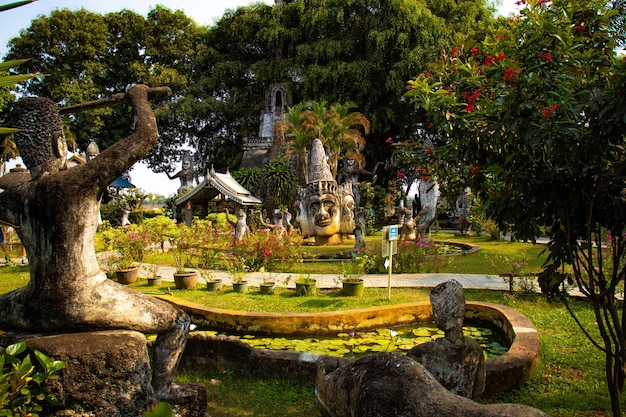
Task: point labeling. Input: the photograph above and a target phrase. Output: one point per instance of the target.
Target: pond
(358, 343)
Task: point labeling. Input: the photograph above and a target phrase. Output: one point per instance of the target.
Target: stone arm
(119, 157)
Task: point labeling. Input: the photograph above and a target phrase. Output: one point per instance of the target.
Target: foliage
(281, 181)
(159, 228)
(535, 115)
(249, 178)
(162, 409)
(130, 242)
(23, 390)
(235, 266)
(339, 130)
(94, 55)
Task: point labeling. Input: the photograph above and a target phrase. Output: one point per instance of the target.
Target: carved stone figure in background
(56, 215)
(186, 175)
(320, 202)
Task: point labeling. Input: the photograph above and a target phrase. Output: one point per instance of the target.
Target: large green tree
(535, 118)
(359, 51)
(87, 56)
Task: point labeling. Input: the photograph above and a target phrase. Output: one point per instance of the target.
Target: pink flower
(389, 140)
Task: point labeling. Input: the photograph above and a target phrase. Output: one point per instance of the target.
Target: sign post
(389, 248)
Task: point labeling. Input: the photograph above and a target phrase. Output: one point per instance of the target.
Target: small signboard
(390, 240)
(393, 232)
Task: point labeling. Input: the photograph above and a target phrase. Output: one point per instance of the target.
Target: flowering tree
(535, 117)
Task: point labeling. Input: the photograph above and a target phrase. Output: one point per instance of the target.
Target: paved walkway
(473, 281)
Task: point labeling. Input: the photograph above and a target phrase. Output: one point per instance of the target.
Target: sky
(203, 12)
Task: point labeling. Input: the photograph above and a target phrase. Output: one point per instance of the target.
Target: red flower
(554, 107)
(470, 107)
(429, 126)
(474, 51)
(454, 51)
(511, 73)
(547, 112)
(429, 151)
(473, 170)
(389, 140)
(489, 60)
(548, 57)
(426, 73)
(499, 36)
(580, 27)
(500, 56)
(449, 89)
(400, 174)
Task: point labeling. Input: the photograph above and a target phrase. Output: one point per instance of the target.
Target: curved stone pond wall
(218, 353)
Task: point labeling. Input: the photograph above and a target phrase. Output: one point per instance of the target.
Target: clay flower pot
(127, 276)
(186, 280)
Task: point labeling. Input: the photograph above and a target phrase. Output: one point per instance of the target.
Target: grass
(569, 382)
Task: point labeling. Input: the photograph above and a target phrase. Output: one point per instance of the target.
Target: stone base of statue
(107, 373)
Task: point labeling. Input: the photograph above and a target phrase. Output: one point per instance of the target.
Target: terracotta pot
(127, 276)
(186, 280)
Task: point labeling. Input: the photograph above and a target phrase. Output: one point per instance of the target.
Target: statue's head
(324, 208)
(187, 161)
(448, 305)
(41, 141)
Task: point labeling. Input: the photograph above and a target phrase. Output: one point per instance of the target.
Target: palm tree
(339, 129)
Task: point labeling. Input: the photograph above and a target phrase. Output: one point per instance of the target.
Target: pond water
(359, 343)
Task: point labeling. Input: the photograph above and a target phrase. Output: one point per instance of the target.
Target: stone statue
(241, 225)
(463, 205)
(391, 384)
(287, 216)
(320, 202)
(92, 150)
(408, 231)
(350, 172)
(56, 214)
(186, 175)
(456, 361)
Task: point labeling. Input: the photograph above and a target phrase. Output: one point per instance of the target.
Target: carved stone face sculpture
(325, 213)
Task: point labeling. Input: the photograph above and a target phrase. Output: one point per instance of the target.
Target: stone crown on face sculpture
(318, 168)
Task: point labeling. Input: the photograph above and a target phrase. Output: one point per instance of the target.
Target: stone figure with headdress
(321, 202)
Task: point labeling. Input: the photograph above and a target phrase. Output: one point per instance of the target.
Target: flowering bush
(411, 255)
(130, 242)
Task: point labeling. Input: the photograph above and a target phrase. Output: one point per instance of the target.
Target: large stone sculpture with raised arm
(56, 214)
(326, 210)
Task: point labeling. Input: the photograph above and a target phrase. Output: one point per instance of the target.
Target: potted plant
(152, 272)
(212, 283)
(130, 243)
(353, 284)
(267, 285)
(237, 269)
(305, 285)
(181, 241)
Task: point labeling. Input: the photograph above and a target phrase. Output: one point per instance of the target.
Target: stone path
(473, 281)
